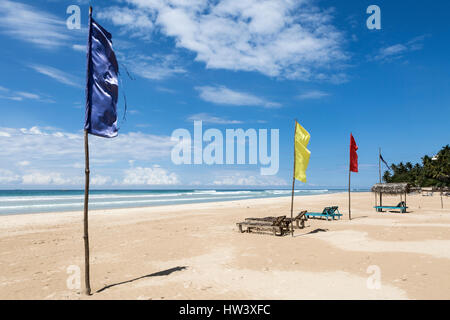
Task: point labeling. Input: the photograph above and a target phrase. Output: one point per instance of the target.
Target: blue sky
(232, 64)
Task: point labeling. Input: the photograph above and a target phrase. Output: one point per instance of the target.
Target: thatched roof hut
(391, 188)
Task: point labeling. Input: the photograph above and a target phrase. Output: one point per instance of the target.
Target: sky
(232, 64)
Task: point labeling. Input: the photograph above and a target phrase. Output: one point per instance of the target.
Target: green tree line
(432, 172)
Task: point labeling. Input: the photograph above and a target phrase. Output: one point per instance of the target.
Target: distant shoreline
(13, 202)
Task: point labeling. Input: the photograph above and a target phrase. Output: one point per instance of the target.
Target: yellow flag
(301, 153)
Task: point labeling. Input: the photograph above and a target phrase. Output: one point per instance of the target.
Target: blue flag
(102, 87)
(381, 158)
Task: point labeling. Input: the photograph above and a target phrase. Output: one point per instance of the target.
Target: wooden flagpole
(349, 176)
(86, 186)
(86, 202)
(292, 204)
(293, 186)
(379, 173)
(349, 202)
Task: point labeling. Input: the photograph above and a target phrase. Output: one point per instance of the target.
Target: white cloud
(7, 176)
(247, 179)
(98, 180)
(313, 94)
(78, 165)
(42, 144)
(226, 96)
(58, 75)
(47, 156)
(149, 176)
(397, 51)
(33, 130)
(21, 95)
(155, 67)
(132, 21)
(27, 23)
(391, 51)
(278, 38)
(206, 118)
(166, 90)
(28, 95)
(79, 48)
(13, 98)
(4, 134)
(48, 178)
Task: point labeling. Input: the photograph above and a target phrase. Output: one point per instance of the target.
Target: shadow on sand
(156, 274)
(361, 217)
(311, 232)
(317, 231)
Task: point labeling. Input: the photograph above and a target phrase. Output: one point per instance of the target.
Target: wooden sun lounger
(299, 219)
(278, 226)
(401, 206)
(328, 213)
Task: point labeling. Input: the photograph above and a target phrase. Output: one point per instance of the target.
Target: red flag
(353, 155)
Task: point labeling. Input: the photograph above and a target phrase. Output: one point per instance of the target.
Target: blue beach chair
(328, 213)
(401, 206)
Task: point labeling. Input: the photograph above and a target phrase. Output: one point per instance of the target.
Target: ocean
(34, 201)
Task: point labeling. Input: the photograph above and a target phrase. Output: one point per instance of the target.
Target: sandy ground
(196, 252)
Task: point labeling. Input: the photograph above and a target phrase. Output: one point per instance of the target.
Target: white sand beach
(194, 251)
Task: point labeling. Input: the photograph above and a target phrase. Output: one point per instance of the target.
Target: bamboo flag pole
(293, 186)
(379, 173)
(101, 106)
(86, 229)
(349, 176)
(86, 187)
(349, 202)
(292, 205)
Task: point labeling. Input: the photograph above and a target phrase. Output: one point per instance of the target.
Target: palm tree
(433, 171)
